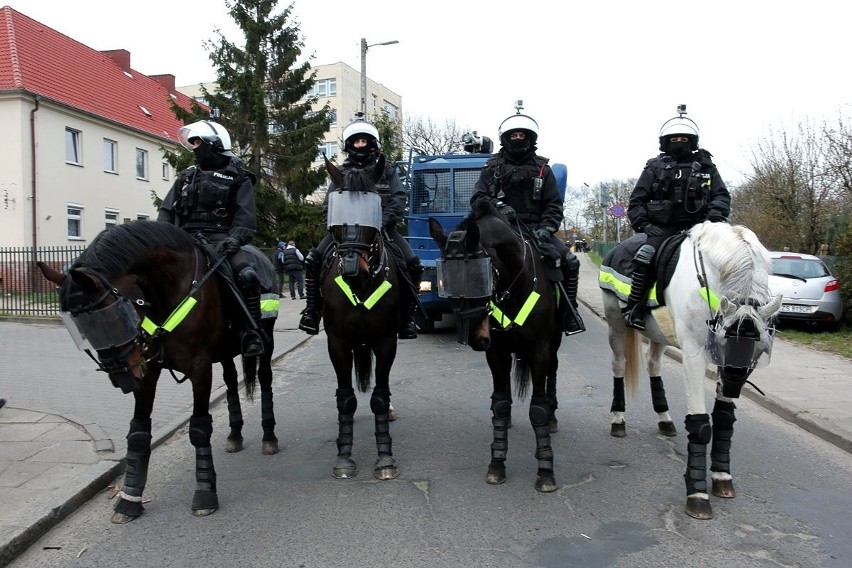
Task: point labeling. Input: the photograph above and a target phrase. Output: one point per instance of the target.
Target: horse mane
(115, 250)
(738, 254)
(359, 179)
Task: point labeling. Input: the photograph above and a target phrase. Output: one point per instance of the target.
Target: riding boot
(251, 342)
(409, 326)
(311, 314)
(571, 321)
(635, 311)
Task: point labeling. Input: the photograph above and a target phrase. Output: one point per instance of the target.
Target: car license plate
(790, 308)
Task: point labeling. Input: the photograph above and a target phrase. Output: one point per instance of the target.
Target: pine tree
(264, 96)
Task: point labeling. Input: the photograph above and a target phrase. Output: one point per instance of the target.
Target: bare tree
(431, 138)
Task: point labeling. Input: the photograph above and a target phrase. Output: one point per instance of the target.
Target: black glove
(716, 216)
(542, 235)
(229, 246)
(507, 211)
(652, 230)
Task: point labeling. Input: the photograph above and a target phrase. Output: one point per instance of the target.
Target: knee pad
(380, 401)
(248, 278)
(501, 408)
(539, 412)
(572, 263)
(645, 254)
(347, 402)
(723, 415)
(200, 430)
(698, 428)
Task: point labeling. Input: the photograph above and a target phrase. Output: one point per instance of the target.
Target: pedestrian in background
(280, 272)
(293, 261)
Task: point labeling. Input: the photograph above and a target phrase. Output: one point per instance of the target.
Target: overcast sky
(600, 77)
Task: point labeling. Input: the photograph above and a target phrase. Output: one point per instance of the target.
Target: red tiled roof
(39, 60)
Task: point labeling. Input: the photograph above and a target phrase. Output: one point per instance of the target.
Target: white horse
(716, 308)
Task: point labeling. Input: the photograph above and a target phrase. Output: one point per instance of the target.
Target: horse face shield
(466, 278)
(739, 345)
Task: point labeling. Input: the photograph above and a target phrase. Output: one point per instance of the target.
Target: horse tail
(522, 374)
(632, 360)
(250, 373)
(363, 359)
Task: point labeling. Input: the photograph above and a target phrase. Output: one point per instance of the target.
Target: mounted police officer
(363, 149)
(214, 200)
(522, 186)
(677, 189)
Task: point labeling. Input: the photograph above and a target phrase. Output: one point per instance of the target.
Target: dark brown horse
(361, 311)
(512, 319)
(145, 298)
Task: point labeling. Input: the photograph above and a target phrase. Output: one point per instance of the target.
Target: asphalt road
(620, 501)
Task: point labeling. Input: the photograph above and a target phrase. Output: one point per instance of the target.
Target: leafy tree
(390, 133)
(265, 99)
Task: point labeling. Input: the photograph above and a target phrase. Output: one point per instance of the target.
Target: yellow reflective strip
(498, 315)
(527, 307)
(269, 306)
(609, 281)
(179, 313)
(148, 326)
(346, 290)
(708, 296)
(377, 295)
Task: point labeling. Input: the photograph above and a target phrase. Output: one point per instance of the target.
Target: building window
(75, 221)
(110, 156)
(324, 88)
(142, 216)
(391, 110)
(73, 147)
(141, 163)
(332, 114)
(329, 149)
(166, 171)
(110, 218)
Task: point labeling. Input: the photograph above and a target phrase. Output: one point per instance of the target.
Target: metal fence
(24, 291)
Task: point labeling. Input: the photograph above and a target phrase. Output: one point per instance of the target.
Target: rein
(493, 305)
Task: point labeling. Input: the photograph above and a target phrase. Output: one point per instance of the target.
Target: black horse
(361, 311)
(506, 306)
(146, 298)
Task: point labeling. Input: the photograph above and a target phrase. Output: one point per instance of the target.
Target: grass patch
(837, 342)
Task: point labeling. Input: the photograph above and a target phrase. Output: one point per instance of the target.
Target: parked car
(811, 294)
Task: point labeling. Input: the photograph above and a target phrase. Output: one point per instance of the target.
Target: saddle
(617, 267)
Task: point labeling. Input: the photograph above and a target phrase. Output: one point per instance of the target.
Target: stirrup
(309, 323)
(635, 317)
(409, 330)
(251, 344)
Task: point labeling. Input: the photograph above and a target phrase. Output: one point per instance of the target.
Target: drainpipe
(33, 156)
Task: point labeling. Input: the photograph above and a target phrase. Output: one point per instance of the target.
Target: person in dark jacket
(363, 149)
(522, 186)
(280, 273)
(292, 259)
(214, 200)
(677, 189)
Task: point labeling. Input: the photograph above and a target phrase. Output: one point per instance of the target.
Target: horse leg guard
(385, 467)
(539, 413)
(311, 314)
(618, 427)
(129, 505)
(347, 403)
(733, 379)
(552, 403)
(267, 422)
(234, 442)
(720, 450)
(205, 501)
(699, 434)
(501, 414)
(661, 406)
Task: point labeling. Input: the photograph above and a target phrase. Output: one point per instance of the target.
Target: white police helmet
(518, 122)
(208, 131)
(680, 125)
(358, 129)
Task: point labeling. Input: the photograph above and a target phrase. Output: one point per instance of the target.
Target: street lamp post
(364, 48)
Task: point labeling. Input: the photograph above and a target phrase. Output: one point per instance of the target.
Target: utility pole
(364, 48)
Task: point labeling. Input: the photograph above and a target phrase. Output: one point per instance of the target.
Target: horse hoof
(391, 413)
(667, 428)
(496, 475)
(269, 448)
(385, 473)
(545, 482)
(618, 430)
(345, 468)
(553, 426)
(699, 508)
(203, 512)
(234, 445)
(724, 488)
(122, 519)
(204, 503)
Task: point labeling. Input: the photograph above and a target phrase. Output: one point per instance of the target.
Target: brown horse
(361, 311)
(145, 298)
(512, 319)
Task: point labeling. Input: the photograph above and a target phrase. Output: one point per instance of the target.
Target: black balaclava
(362, 156)
(208, 158)
(518, 149)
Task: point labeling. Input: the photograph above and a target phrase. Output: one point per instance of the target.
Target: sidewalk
(62, 432)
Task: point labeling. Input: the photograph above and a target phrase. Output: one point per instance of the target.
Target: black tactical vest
(515, 185)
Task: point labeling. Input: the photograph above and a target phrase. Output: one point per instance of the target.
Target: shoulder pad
(494, 160)
(540, 160)
(704, 157)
